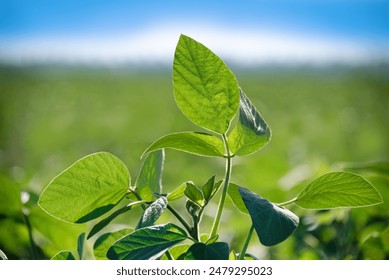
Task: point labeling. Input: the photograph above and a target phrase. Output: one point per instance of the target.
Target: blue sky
(248, 30)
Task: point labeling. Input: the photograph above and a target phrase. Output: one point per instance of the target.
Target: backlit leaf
(251, 133)
(87, 189)
(202, 144)
(272, 223)
(64, 256)
(146, 243)
(338, 189)
(205, 89)
(194, 194)
(105, 241)
(149, 180)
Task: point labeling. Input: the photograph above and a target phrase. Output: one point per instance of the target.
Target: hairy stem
(227, 177)
(246, 243)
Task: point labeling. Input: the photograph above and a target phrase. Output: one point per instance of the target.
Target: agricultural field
(322, 119)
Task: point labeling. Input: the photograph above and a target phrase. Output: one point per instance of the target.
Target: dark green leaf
(150, 178)
(338, 189)
(146, 243)
(251, 132)
(80, 245)
(87, 189)
(153, 212)
(214, 251)
(64, 256)
(205, 89)
(202, 144)
(105, 241)
(272, 223)
(103, 223)
(194, 194)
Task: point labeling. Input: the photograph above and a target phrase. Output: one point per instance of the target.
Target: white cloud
(156, 45)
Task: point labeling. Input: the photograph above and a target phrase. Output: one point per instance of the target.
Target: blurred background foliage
(322, 119)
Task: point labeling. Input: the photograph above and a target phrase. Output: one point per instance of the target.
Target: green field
(321, 119)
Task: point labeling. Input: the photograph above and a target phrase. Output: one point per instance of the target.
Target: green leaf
(177, 192)
(153, 212)
(234, 194)
(87, 189)
(214, 251)
(105, 241)
(64, 256)
(194, 194)
(146, 243)
(150, 177)
(338, 189)
(272, 223)
(375, 167)
(103, 223)
(251, 133)
(205, 89)
(198, 143)
(80, 245)
(177, 252)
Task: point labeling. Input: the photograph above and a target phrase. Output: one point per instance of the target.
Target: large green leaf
(105, 241)
(272, 223)
(205, 89)
(177, 192)
(202, 144)
(149, 180)
(145, 243)
(87, 189)
(251, 133)
(338, 189)
(153, 212)
(214, 251)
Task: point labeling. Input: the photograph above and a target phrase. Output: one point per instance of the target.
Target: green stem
(246, 243)
(169, 256)
(287, 202)
(182, 221)
(32, 243)
(219, 212)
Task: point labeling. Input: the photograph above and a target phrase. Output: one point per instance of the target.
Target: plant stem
(246, 243)
(169, 256)
(287, 202)
(216, 222)
(29, 229)
(182, 221)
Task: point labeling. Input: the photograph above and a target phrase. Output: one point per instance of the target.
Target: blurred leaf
(194, 194)
(105, 241)
(145, 243)
(64, 256)
(377, 167)
(177, 192)
(338, 189)
(202, 144)
(10, 203)
(214, 251)
(152, 213)
(103, 223)
(272, 223)
(87, 189)
(236, 197)
(150, 178)
(251, 133)
(205, 89)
